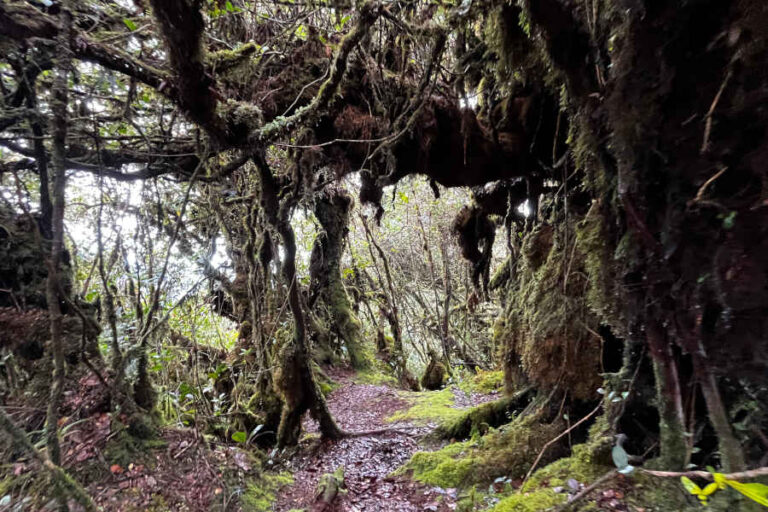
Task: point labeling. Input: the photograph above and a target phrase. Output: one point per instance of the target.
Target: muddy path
(368, 460)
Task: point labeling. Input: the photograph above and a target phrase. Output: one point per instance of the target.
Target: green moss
(375, 377)
(158, 504)
(123, 448)
(349, 327)
(260, 494)
(580, 466)
(604, 298)
(88, 472)
(535, 501)
(444, 468)
(538, 493)
(326, 387)
(330, 484)
(662, 494)
(224, 59)
(434, 375)
(480, 418)
(506, 452)
(547, 333)
(324, 382)
(429, 406)
(487, 381)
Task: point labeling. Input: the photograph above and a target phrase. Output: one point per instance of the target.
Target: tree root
(491, 414)
(377, 432)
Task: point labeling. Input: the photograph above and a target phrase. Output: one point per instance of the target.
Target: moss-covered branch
(484, 416)
(368, 14)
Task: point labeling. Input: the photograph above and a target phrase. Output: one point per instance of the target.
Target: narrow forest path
(368, 460)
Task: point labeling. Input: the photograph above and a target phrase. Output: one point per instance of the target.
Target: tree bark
(53, 285)
(296, 381)
(332, 211)
(731, 454)
(59, 93)
(669, 399)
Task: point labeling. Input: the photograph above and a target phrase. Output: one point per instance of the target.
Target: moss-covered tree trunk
(667, 104)
(54, 290)
(731, 453)
(332, 211)
(294, 378)
(668, 401)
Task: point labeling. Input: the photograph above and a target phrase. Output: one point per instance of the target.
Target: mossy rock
(142, 426)
(434, 376)
(260, 494)
(124, 447)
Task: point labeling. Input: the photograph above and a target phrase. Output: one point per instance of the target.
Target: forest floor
(181, 470)
(368, 460)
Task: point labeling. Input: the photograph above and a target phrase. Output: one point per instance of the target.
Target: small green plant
(755, 491)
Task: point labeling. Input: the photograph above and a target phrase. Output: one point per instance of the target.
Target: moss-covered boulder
(434, 374)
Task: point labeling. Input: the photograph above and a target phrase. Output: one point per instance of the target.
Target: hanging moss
(603, 294)
(546, 327)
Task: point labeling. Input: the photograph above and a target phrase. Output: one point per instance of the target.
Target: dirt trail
(367, 460)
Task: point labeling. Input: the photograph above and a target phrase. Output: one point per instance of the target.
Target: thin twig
(741, 475)
(711, 111)
(584, 492)
(565, 432)
(700, 194)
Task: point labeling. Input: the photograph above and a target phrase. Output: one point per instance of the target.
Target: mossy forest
(383, 255)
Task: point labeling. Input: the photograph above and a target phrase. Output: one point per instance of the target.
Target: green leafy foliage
(755, 491)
